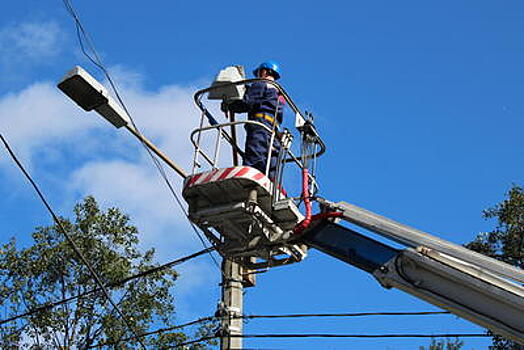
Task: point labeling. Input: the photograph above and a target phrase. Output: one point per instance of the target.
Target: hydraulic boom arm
(468, 284)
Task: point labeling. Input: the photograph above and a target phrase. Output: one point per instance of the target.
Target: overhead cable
(350, 314)
(77, 250)
(95, 59)
(190, 342)
(158, 331)
(121, 282)
(211, 318)
(328, 335)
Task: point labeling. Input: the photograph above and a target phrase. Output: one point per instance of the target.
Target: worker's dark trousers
(257, 148)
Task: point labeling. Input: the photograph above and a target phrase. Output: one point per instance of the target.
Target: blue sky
(420, 104)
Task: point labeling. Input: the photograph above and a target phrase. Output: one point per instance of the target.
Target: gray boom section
(465, 290)
(412, 237)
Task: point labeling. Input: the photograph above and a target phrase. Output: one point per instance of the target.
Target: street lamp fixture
(90, 94)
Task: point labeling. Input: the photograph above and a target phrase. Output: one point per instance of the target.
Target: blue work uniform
(262, 103)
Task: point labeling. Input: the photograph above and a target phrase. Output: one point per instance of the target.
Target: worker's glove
(224, 106)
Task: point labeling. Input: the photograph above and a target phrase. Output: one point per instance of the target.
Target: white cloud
(46, 128)
(48, 131)
(137, 188)
(165, 116)
(39, 117)
(34, 41)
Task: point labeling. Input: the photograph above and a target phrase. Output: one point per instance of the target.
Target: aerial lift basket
(241, 211)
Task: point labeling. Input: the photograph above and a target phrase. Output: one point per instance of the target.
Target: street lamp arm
(156, 151)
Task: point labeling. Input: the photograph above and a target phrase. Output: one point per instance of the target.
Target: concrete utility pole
(233, 281)
(231, 305)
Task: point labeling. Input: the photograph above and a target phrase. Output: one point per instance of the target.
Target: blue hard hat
(271, 65)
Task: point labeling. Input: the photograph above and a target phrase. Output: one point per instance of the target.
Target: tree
(505, 243)
(449, 344)
(49, 270)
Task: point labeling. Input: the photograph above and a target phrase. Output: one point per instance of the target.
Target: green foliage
(49, 271)
(505, 242)
(448, 344)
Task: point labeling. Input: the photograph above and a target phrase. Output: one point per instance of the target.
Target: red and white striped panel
(229, 173)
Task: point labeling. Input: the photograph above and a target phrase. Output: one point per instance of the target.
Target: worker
(264, 104)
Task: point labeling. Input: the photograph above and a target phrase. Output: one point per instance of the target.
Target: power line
(121, 282)
(158, 331)
(351, 314)
(200, 340)
(81, 32)
(210, 318)
(77, 250)
(329, 335)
